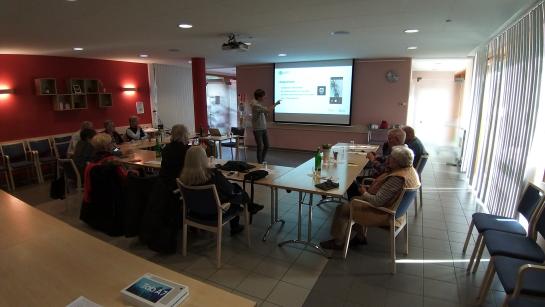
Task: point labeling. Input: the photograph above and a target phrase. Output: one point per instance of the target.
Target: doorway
(437, 88)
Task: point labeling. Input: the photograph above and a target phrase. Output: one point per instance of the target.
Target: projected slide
(313, 92)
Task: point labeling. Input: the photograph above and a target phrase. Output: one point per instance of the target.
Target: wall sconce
(129, 89)
(7, 91)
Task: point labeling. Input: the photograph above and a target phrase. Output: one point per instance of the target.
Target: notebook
(214, 131)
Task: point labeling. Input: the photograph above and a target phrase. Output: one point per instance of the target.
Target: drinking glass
(265, 167)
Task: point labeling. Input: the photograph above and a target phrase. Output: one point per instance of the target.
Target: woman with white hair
(173, 155)
(382, 193)
(196, 172)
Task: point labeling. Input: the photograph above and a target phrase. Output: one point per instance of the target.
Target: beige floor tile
(272, 267)
(288, 295)
(229, 276)
(257, 285)
(301, 276)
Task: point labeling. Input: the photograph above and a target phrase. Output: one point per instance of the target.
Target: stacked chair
(529, 206)
(44, 154)
(514, 254)
(16, 157)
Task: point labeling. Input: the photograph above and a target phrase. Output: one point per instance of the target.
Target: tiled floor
(431, 275)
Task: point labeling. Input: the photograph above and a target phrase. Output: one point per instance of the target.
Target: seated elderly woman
(196, 172)
(102, 144)
(382, 193)
(109, 128)
(135, 132)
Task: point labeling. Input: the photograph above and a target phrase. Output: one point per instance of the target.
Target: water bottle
(157, 148)
(317, 160)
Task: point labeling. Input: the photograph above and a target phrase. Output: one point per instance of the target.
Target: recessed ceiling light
(71, 0)
(342, 32)
(411, 31)
(78, 49)
(448, 20)
(143, 55)
(185, 26)
(412, 48)
(282, 54)
(189, 62)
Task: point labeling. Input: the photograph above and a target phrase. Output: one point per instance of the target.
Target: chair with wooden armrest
(402, 204)
(199, 201)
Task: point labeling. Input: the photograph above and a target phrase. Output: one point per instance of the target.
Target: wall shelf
(45, 86)
(78, 88)
(68, 102)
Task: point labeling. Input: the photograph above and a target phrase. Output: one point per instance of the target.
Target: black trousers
(262, 143)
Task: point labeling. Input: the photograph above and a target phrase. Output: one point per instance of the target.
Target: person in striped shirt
(382, 193)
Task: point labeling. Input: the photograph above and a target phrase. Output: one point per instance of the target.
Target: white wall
(172, 95)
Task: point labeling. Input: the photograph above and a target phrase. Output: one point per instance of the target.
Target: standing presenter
(259, 123)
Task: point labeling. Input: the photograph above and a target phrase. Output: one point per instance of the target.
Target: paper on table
(82, 301)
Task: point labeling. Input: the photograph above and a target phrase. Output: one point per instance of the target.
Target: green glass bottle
(317, 161)
(157, 148)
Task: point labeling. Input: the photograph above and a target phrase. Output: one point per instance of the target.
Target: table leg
(308, 242)
(219, 145)
(274, 213)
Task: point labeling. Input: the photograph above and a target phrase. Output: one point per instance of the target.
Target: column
(198, 68)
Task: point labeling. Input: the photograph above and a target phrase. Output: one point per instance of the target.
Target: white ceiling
(123, 29)
(439, 64)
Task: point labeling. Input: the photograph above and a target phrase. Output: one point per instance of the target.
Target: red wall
(373, 99)
(25, 115)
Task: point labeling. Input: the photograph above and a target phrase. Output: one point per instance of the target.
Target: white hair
(402, 155)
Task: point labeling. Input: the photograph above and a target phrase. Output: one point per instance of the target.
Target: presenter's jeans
(262, 143)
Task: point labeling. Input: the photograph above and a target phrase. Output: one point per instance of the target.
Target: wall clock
(392, 76)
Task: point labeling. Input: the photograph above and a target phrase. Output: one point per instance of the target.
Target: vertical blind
(172, 94)
(505, 99)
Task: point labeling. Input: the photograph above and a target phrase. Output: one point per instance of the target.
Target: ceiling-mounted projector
(233, 44)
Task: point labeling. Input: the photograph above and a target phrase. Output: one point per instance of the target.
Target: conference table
(148, 159)
(128, 147)
(45, 262)
(351, 159)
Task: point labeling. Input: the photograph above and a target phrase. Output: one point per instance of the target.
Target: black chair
(4, 169)
(529, 205)
(419, 169)
(61, 144)
(16, 158)
(138, 195)
(162, 215)
(236, 142)
(106, 205)
(203, 201)
(518, 277)
(73, 180)
(44, 153)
